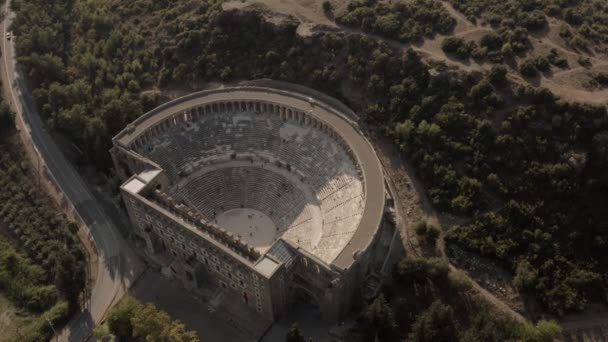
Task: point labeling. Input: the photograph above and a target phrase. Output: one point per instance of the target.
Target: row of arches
(285, 112)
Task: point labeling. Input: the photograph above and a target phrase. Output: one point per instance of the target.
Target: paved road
(118, 265)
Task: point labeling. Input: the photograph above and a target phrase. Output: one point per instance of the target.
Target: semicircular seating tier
(297, 175)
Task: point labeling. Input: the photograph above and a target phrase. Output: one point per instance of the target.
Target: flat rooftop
(366, 157)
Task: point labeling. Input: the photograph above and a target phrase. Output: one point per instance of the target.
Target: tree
(102, 333)
(432, 233)
(379, 317)
(294, 334)
(119, 319)
(6, 119)
(419, 270)
(428, 231)
(498, 75)
(150, 324)
(525, 275)
(420, 228)
(132, 319)
(451, 44)
(458, 46)
(528, 68)
(153, 325)
(327, 7)
(485, 327)
(543, 331)
(435, 324)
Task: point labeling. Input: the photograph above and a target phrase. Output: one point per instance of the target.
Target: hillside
(481, 102)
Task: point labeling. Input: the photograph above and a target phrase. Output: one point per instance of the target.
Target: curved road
(118, 264)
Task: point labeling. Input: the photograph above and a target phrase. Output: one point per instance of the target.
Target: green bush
(544, 331)
(132, 320)
(528, 68)
(417, 270)
(420, 227)
(542, 64)
(379, 318)
(437, 323)
(327, 6)
(24, 283)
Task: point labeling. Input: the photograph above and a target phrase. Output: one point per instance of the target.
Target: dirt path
(591, 325)
(579, 69)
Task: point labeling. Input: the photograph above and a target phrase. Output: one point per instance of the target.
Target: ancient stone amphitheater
(266, 181)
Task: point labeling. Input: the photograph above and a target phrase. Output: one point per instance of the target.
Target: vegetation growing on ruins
(523, 167)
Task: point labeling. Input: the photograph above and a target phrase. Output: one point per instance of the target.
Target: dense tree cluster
(23, 282)
(524, 167)
(49, 240)
(405, 21)
(132, 320)
(423, 306)
(497, 46)
(28, 287)
(83, 88)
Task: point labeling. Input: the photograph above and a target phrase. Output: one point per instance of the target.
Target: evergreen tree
(435, 324)
(380, 319)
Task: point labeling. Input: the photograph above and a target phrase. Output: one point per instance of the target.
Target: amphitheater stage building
(272, 196)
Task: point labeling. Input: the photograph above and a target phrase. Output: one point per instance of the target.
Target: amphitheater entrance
(252, 225)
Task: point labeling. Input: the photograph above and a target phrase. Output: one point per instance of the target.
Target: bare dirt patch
(306, 11)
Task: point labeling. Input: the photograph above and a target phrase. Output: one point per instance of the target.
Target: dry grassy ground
(571, 83)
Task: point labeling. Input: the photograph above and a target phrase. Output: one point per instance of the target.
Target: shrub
(507, 50)
(429, 232)
(132, 319)
(528, 68)
(119, 319)
(534, 21)
(584, 62)
(542, 64)
(556, 59)
(420, 227)
(327, 7)
(543, 331)
(498, 75)
(380, 319)
(452, 44)
(492, 41)
(6, 119)
(420, 270)
(432, 233)
(437, 323)
(525, 275)
(479, 53)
